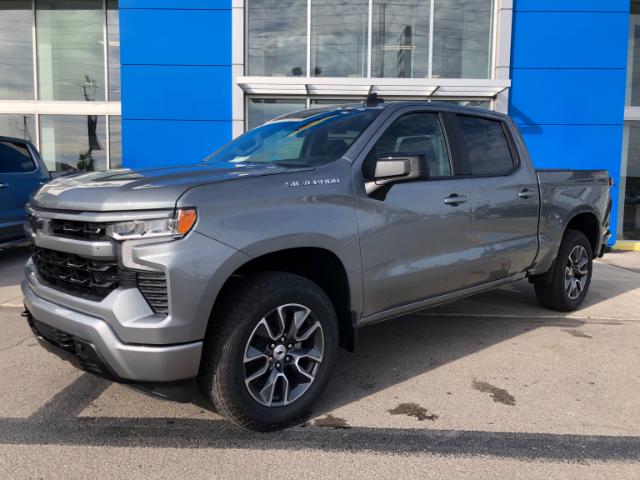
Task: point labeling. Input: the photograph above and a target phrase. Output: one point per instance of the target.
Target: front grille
(92, 279)
(153, 286)
(95, 279)
(78, 229)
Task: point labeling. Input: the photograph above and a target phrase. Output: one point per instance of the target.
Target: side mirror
(395, 168)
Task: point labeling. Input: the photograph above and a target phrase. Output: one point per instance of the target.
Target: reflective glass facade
(629, 200)
(405, 40)
(18, 125)
(62, 51)
(278, 37)
(73, 142)
(462, 38)
(629, 216)
(16, 50)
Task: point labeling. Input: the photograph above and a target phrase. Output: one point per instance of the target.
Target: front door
(414, 237)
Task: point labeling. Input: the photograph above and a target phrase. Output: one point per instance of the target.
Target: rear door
(414, 237)
(504, 200)
(20, 175)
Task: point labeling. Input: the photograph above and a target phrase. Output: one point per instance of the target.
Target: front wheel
(270, 351)
(571, 274)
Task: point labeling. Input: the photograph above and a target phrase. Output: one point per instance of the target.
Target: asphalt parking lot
(490, 387)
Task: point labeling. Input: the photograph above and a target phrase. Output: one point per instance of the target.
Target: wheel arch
(586, 222)
(320, 265)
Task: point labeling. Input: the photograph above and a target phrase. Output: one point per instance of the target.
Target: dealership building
(141, 83)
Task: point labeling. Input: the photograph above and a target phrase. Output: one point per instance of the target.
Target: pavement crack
(577, 333)
(16, 344)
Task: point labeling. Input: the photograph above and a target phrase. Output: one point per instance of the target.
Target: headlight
(170, 228)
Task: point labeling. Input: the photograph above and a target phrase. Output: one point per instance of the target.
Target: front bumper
(125, 362)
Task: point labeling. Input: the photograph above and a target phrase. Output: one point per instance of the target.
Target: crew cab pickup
(241, 275)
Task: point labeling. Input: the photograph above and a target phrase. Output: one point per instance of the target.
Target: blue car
(22, 171)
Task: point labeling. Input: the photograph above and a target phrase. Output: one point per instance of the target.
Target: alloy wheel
(576, 272)
(283, 355)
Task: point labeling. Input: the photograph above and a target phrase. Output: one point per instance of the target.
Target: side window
(416, 133)
(15, 158)
(486, 146)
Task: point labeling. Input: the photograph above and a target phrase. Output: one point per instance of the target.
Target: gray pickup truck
(243, 274)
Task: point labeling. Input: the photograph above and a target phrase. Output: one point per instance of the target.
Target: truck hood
(126, 189)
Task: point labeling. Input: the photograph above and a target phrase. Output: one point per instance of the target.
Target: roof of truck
(380, 104)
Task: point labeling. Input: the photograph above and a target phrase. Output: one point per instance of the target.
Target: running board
(439, 300)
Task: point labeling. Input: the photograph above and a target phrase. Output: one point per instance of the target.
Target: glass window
(400, 39)
(16, 51)
(462, 38)
(629, 213)
(115, 141)
(486, 144)
(277, 40)
(261, 110)
(414, 133)
(312, 138)
(633, 59)
(339, 37)
(70, 49)
(485, 104)
(113, 43)
(323, 102)
(15, 158)
(73, 142)
(17, 125)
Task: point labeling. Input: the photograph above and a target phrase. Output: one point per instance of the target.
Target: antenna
(373, 99)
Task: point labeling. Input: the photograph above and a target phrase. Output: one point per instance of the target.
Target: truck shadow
(387, 354)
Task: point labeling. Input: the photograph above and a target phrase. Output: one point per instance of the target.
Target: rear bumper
(127, 363)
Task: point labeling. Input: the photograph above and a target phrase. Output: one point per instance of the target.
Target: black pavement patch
(413, 410)
(499, 395)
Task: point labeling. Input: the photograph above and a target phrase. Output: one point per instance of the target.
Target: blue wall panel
(570, 40)
(568, 76)
(572, 5)
(571, 96)
(176, 37)
(156, 143)
(177, 4)
(176, 80)
(553, 145)
(176, 92)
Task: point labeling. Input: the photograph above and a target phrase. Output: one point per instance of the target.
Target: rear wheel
(571, 274)
(270, 351)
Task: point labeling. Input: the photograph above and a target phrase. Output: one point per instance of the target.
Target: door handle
(3, 185)
(526, 194)
(454, 199)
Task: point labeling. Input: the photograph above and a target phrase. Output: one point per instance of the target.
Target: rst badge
(306, 183)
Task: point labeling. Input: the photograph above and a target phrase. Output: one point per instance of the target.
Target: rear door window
(15, 158)
(486, 145)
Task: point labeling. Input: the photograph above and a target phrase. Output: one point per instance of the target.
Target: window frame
(494, 45)
(382, 129)
(463, 153)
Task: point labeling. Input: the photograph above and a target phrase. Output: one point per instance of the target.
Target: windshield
(308, 138)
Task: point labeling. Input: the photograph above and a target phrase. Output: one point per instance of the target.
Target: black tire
(555, 295)
(233, 325)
